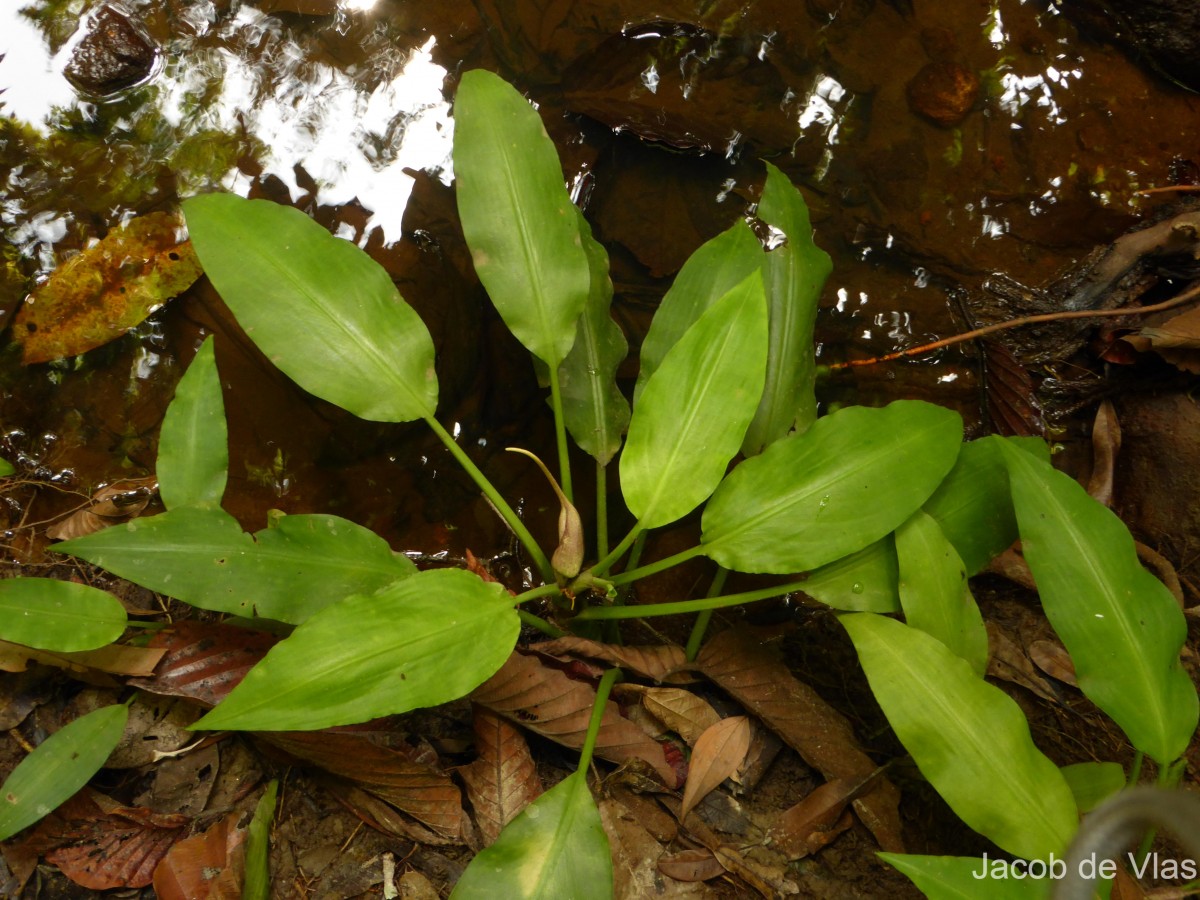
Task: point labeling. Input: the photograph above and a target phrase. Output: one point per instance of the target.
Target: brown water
(661, 119)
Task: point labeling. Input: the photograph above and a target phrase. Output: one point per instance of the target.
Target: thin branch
(1185, 297)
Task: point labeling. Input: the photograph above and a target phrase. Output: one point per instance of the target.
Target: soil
(935, 217)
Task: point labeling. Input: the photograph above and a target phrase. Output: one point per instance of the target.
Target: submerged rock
(943, 92)
(115, 53)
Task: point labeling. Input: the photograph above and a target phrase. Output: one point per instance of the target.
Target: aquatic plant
(886, 511)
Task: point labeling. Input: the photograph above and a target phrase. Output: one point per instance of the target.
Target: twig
(1180, 300)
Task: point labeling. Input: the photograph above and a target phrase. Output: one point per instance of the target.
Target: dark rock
(1163, 34)
(943, 92)
(116, 53)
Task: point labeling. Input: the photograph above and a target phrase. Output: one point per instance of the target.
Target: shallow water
(661, 121)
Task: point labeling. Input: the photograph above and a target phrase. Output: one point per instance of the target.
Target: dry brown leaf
(110, 505)
(115, 659)
(1011, 395)
(1009, 662)
(1106, 443)
(1162, 569)
(382, 816)
(680, 711)
(547, 701)
(815, 821)
(1052, 658)
(717, 754)
(1177, 340)
(206, 866)
(659, 662)
(504, 779)
(748, 668)
(691, 865)
(204, 661)
(429, 796)
(1011, 565)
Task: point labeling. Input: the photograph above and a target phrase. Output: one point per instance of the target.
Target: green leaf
(422, 641)
(320, 309)
(594, 409)
(973, 505)
(712, 271)
(1120, 624)
(934, 591)
(59, 767)
(257, 883)
(1093, 782)
(202, 557)
(517, 217)
(968, 738)
(955, 878)
(555, 848)
(193, 445)
(58, 616)
(690, 419)
(813, 498)
(6, 468)
(866, 581)
(793, 275)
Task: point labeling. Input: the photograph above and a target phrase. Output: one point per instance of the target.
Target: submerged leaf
(1120, 624)
(193, 445)
(321, 310)
(812, 498)
(517, 217)
(369, 656)
(107, 289)
(964, 733)
(58, 767)
(691, 418)
(555, 849)
(793, 275)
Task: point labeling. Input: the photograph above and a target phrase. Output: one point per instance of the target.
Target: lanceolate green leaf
(690, 419)
(257, 883)
(375, 655)
(793, 275)
(320, 309)
(202, 557)
(710, 273)
(59, 616)
(193, 445)
(956, 878)
(594, 409)
(866, 581)
(813, 498)
(516, 215)
(973, 505)
(556, 848)
(59, 767)
(967, 737)
(1121, 626)
(1093, 782)
(934, 591)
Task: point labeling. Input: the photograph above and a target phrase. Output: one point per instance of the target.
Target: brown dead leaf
(204, 661)
(110, 505)
(1052, 658)
(101, 845)
(1012, 401)
(1177, 340)
(691, 865)
(680, 711)
(815, 821)
(749, 669)
(547, 701)
(114, 659)
(1009, 662)
(383, 817)
(634, 851)
(101, 293)
(717, 754)
(504, 779)
(1106, 443)
(658, 662)
(429, 796)
(206, 866)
